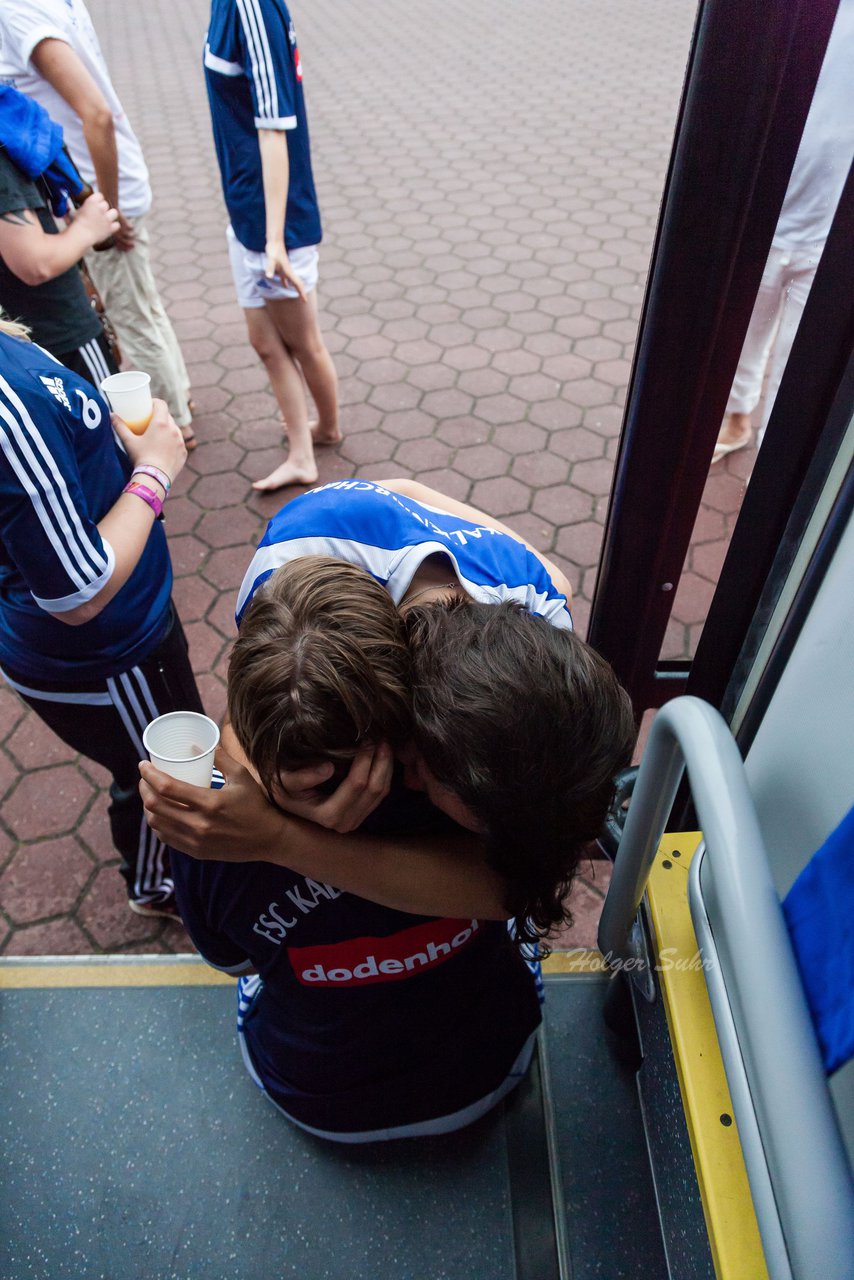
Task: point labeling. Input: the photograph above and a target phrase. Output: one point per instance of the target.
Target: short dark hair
(320, 667)
(529, 726)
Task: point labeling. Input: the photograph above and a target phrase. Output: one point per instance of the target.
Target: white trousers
(126, 283)
(777, 311)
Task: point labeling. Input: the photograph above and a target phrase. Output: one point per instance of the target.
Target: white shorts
(249, 272)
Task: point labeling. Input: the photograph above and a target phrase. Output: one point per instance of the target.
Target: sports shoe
(166, 908)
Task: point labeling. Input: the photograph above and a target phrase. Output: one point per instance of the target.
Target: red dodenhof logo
(360, 961)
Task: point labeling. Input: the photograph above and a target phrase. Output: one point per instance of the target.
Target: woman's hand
(235, 824)
(279, 265)
(160, 445)
(96, 219)
(365, 786)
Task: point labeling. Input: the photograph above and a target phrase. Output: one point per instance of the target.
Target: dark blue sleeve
(270, 59)
(190, 877)
(44, 519)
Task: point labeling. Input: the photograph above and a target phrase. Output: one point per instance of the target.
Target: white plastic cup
(129, 395)
(182, 744)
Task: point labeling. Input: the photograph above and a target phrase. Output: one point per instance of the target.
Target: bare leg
(286, 381)
(298, 327)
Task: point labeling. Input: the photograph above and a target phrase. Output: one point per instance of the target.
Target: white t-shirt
(23, 25)
(827, 145)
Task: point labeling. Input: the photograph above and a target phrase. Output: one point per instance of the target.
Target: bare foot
(325, 435)
(288, 473)
(319, 434)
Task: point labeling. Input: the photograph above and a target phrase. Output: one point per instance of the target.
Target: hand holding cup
(129, 396)
(160, 445)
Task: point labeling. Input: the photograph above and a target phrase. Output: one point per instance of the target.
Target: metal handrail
(787, 1096)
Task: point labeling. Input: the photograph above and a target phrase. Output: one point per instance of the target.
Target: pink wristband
(147, 495)
(149, 469)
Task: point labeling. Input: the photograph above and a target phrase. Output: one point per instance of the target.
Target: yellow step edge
(724, 1189)
(109, 971)
(579, 960)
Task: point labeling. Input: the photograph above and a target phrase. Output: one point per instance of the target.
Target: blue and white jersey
(60, 473)
(254, 80)
(390, 536)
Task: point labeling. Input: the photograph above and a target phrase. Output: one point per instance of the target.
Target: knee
(311, 350)
(267, 348)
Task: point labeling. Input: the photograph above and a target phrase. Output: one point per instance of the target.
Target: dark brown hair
(320, 667)
(529, 726)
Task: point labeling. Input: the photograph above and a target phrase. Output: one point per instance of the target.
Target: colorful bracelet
(147, 495)
(148, 469)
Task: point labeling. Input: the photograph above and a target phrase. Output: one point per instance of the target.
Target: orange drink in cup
(129, 396)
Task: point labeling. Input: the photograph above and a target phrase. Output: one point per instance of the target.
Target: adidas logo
(57, 390)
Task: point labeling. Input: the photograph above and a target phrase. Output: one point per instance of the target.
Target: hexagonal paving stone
(9, 773)
(225, 568)
(44, 879)
(539, 469)
(555, 415)
(502, 496)
(501, 409)
(12, 709)
(228, 527)
(482, 382)
(566, 367)
(396, 395)
(32, 744)
(580, 543)
(58, 938)
(481, 461)
(187, 553)
(47, 802)
(594, 476)
(578, 444)
(368, 446)
(206, 644)
(214, 456)
(693, 597)
(106, 916)
(407, 424)
(586, 392)
(563, 504)
(425, 454)
(447, 404)
(605, 420)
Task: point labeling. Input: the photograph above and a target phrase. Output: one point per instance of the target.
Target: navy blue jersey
(389, 536)
(368, 1018)
(60, 473)
(254, 81)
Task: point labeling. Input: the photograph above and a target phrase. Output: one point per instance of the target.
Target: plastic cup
(182, 744)
(129, 395)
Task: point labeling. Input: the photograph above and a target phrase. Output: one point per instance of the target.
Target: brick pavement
(489, 177)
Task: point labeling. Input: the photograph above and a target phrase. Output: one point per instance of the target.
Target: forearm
(423, 876)
(275, 168)
(126, 527)
(100, 134)
(34, 256)
(62, 67)
(434, 876)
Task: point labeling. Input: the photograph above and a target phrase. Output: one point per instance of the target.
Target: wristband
(149, 469)
(147, 495)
